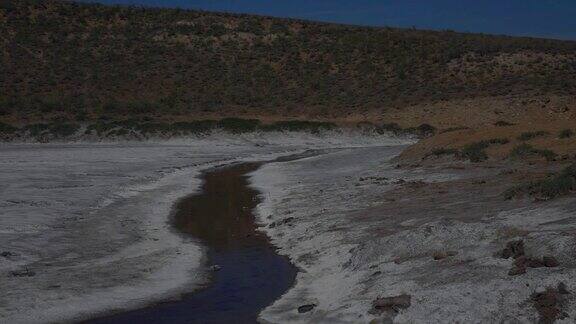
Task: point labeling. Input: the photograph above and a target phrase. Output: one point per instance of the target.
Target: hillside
(64, 60)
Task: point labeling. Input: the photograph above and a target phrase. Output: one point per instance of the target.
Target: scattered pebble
(22, 273)
(439, 255)
(550, 261)
(215, 268)
(7, 254)
(393, 304)
(513, 249)
(306, 308)
(549, 304)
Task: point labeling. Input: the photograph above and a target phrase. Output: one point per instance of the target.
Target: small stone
(215, 268)
(439, 255)
(7, 254)
(392, 303)
(534, 263)
(550, 261)
(562, 289)
(516, 271)
(513, 249)
(521, 262)
(306, 308)
(23, 273)
(382, 320)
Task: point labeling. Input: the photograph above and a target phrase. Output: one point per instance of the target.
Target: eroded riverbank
(248, 275)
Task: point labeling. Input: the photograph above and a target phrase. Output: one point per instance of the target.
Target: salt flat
(360, 228)
(84, 226)
(85, 230)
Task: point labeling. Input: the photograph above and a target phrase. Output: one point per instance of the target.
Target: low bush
(389, 128)
(63, 130)
(299, 126)
(425, 130)
(500, 141)
(503, 123)
(194, 127)
(531, 135)
(239, 125)
(443, 151)
(566, 133)
(525, 150)
(153, 128)
(36, 130)
(453, 129)
(7, 128)
(475, 151)
(557, 185)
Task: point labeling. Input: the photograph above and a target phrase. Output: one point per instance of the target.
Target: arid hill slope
(81, 61)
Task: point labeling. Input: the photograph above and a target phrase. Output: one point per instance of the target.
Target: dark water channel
(251, 275)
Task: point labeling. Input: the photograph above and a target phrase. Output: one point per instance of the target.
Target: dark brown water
(251, 276)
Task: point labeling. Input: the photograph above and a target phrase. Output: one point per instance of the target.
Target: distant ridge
(69, 60)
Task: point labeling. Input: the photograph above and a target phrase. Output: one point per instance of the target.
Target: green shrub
(36, 130)
(531, 135)
(389, 128)
(475, 151)
(524, 150)
(100, 128)
(63, 130)
(239, 125)
(153, 128)
(453, 129)
(299, 126)
(566, 133)
(443, 151)
(426, 130)
(195, 127)
(501, 141)
(7, 129)
(502, 123)
(560, 184)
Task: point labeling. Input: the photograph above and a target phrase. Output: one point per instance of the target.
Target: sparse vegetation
(133, 61)
(63, 130)
(453, 129)
(526, 136)
(503, 123)
(7, 129)
(525, 150)
(500, 141)
(299, 126)
(144, 128)
(557, 185)
(444, 151)
(566, 133)
(389, 128)
(475, 152)
(238, 125)
(424, 130)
